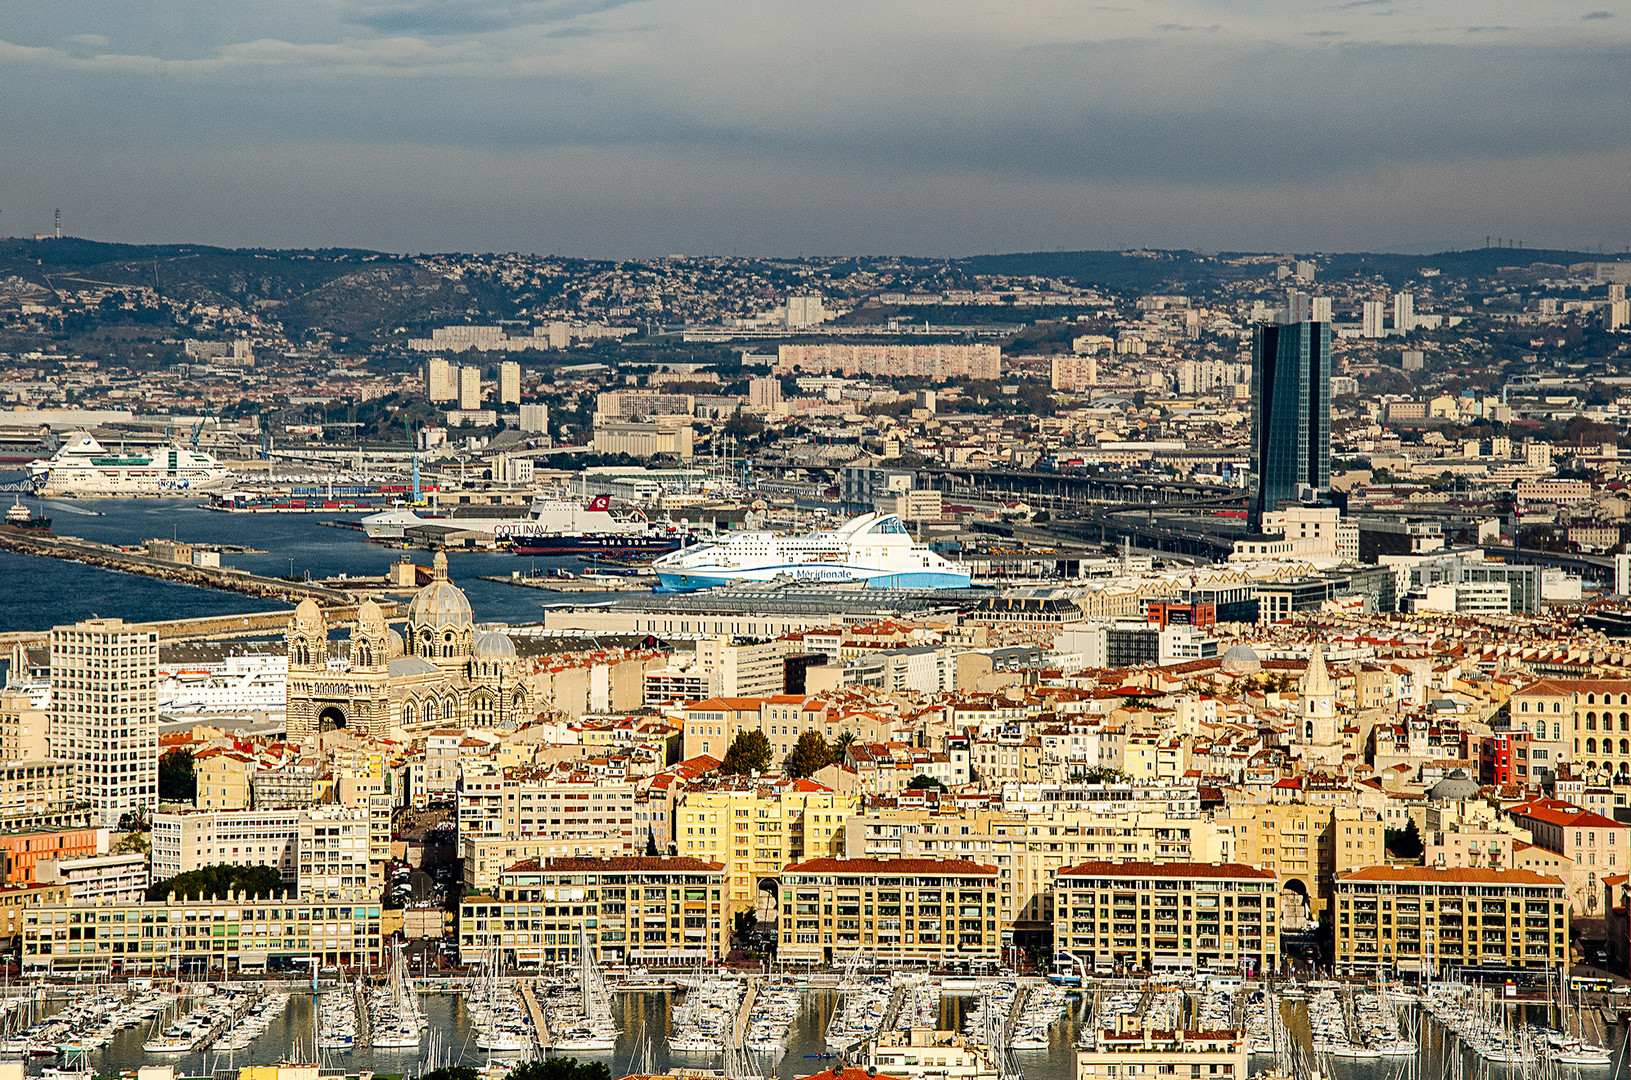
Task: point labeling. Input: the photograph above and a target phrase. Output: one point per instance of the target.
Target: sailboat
(598, 1031)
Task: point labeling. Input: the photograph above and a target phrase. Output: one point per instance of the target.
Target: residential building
(196, 937)
(638, 910)
(39, 794)
(334, 854)
(470, 388)
(484, 858)
(188, 840)
(901, 911)
(1134, 1047)
(118, 879)
(22, 849)
(441, 380)
(755, 827)
(1393, 919)
(1596, 846)
(509, 383)
(1202, 917)
(24, 717)
(104, 714)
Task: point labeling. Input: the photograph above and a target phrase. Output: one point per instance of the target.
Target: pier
(540, 1019)
(109, 557)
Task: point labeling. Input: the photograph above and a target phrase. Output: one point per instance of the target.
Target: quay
(217, 627)
(109, 557)
(540, 1019)
(590, 584)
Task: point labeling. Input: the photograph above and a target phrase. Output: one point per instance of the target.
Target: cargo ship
(618, 545)
(544, 519)
(874, 549)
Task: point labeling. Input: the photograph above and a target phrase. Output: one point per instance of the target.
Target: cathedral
(443, 672)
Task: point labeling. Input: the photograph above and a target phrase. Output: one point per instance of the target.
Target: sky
(607, 129)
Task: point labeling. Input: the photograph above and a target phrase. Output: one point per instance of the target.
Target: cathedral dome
(370, 617)
(394, 647)
(440, 604)
(491, 645)
(1241, 660)
(308, 615)
(1455, 786)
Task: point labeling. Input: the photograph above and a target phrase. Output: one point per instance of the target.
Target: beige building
(1590, 717)
(104, 714)
(223, 779)
(1304, 845)
(189, 840)
(39, 794)
(333, 852)
(1597, 846)
(441, 380)
(1134, 1047)
(643, 440)
(1220, 918)
(470, 394)
(22, 726)
(901, 911)
(199, 936)
(1410, 919)
(509, 383)
(756, 827)
(937, 363)
(486, 857)
(638, 910)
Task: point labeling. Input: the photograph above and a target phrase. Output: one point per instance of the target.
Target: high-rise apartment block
(104, 714)
(535, 418)
(765, 393)
(440, 377)
(1370, 324)
(1073, 371)
(509, 383)
(470, 388)
(1291, 413)
(1404, 312)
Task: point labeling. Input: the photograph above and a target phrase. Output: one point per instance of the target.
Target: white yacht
(84, 467)
(874, 548)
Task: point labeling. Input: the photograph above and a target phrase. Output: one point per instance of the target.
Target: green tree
(920, 782)
(810, 753)
(1406, 842)
(177, 783)
(749, 752)
(841, 745)
(219, 881)
(560, 1069)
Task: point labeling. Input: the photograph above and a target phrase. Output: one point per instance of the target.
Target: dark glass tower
(1291, 413)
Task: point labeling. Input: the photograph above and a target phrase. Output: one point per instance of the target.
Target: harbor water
(650, 1016)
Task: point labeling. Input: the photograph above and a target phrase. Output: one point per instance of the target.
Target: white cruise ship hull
(84, 468)
(706, 577)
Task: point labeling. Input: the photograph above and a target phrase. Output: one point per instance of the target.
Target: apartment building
(16, 899)
(186, 840)
(22, 849)
(902, 911)
(334, 852)
(1596, 846)
(23, 719)
(1203, 917)
(711, 724)
(104, 714)
(1590, 717)
(1305, 845)
(644, 910)
(1410, 919)
(98, 879)
(1027, 851)
(521, 801)
(757, 827)
(719, 666)
(36, 794)
(195, 937)
(486, 857)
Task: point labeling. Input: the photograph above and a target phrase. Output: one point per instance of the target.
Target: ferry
(874, 549)
(256, 682)
(544, 518)
(84, 467)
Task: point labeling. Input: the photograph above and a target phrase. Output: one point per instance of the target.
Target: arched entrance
(1296, 913)
(332, 718)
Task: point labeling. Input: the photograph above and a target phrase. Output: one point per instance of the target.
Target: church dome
(491, 645)
(370, 617)
(441, 603)
(394, 647)
(1455, 786)
(1241, 660)
(308, 615)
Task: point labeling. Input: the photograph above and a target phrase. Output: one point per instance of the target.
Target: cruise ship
(544, 518)
(84, 467)
(873, 548)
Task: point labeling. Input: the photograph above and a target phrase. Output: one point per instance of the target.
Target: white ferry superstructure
(84, 467)
(873, 548)
(256, 683)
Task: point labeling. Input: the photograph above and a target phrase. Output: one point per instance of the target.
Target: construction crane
(197, 430)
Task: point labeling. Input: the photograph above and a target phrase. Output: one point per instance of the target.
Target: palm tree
(841, 744)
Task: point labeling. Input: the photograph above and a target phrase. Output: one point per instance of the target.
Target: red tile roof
(947, 867)
(1167, 870)
(1457, 875)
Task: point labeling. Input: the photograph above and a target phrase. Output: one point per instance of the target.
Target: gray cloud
(821, 122)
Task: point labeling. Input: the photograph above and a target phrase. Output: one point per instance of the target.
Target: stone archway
(331, 718)
(1296, 906)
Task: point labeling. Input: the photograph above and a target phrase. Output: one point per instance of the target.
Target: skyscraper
(509, 383)
(104, 714)
(470, 387)
(440, 380)
(1291, 413)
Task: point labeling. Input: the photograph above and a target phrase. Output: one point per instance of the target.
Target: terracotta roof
(622, 864)
(947, 867)
(1167, 870)
(1458, 875)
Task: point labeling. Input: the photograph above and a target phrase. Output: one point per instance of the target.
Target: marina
(784, 1024)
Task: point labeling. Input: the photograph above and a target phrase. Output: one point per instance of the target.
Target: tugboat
(21, 517)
